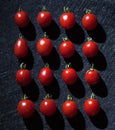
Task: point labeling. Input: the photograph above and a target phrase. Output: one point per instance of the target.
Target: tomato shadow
(100, 120)
(78, 122)
(52, 59)
(34, 123)
(99, 61)
(53, 89)
(29, 32)
(31, 91)
(100, 89)
(56, 122)
(28, 60)
(52, 30)
(77, 89)
(76, 34)
(98, 34)
(76, 61)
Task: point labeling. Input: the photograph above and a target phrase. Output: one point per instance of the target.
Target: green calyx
(48, 96)
(44, 8)
(69, 97)
(92, 67)
(92, 96)
(65, 9)
(22, 66)
(88, 11)
(68, 65)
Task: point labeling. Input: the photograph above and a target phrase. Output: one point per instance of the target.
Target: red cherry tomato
(92, 76)
(91, 107)
(44, 18)
(20, 48)
(47, 107)
(69, 75)
(90, 49)
(89, 21)
(21, 19)
(67, 49)
(70, 108)
(44, 46)
(45, 76)
(67, 19)
(23, 76)
(25, 108)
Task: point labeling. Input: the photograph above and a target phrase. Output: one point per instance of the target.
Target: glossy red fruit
(66, 48)
(90, 48)
(91, 106)
(44, 46)
(69, 108)
(25, 108)
(89, 21)
(92, 76)
(21, 19)
(67, 19)
(23, 76)
(20, 48)
(69, 75)
(47, 106)
(44, 18)
(45, 76)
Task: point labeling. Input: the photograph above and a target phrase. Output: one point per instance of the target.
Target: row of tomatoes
(67, 19)
(48, 107)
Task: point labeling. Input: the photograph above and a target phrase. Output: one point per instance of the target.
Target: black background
(10, 91)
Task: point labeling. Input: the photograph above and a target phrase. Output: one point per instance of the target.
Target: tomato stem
(88, 11)
(25, 97)
(92, 96)
(20, 9)
(45, 35)
(92, 67)
(22, 65)
(89, 39)
(44, 8)
(69, 97)
(48, 96)
(68, 65)
(46, 65)
(64, 39)
(66, 9)
(20, 36)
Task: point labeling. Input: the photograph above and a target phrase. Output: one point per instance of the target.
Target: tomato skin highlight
(45, 76)
(25, 108)
(44, 18)
(23, 77)
(70, 108)
(91, 107)
(92, 77)
(90, 49)
(67, 49)
(48, 107)
(67, 20)
(20, 48)
(69, 76)
(44, 46)
(21, 19)
(89, 21)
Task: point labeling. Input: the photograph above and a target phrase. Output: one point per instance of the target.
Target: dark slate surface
(10, 91)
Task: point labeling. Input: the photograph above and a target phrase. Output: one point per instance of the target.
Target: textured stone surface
(10, 91)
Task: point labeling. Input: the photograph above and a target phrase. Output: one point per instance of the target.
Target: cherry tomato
(23, 76)
(44, 18)
(20, 48)
(21, 19)
(67, 48)
(44, 46)
(91, 106)
(67, 19)
(92, 76)
(69, 108)
(25, 108)
(89, 21)
(90, 48)
(45, 76)
(47, 107)
(69, 75)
